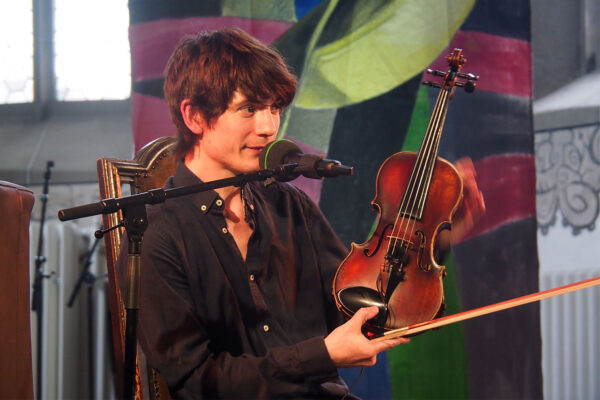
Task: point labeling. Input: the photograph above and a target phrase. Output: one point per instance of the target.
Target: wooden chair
(152, 165)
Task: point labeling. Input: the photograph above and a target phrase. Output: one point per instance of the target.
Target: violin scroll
(455, 61)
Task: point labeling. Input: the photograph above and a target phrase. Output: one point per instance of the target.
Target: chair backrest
(152, 165)
(16, 373)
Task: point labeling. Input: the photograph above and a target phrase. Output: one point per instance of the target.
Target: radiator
(65, 354)
(570, 327)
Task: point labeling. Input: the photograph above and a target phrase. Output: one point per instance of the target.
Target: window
(88, 50)
(16, 52)
(91, 50)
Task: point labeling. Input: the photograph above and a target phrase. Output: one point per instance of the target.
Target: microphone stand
(38, 287)
(89, 279)
(135, 223)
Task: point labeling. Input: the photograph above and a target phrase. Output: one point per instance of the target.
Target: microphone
(285, 152)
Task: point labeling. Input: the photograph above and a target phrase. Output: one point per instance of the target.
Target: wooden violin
(417, 193)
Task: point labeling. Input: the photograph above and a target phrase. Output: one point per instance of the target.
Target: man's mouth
(255, 148)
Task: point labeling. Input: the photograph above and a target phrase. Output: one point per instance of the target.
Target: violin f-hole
(371, 254)
(420, 252)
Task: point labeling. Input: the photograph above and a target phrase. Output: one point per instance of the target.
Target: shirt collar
(205, 200)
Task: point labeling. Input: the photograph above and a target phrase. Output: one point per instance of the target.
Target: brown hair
(209, 67)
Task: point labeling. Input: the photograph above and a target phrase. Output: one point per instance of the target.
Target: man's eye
(249, 109)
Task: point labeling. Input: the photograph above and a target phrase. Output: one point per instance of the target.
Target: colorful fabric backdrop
(360, 64)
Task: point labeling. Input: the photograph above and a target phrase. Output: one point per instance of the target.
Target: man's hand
(348, 347)
(472, 207)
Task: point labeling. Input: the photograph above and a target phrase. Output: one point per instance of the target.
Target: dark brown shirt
(215, 325)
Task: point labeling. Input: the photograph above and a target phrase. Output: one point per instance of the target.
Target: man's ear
(192, 117)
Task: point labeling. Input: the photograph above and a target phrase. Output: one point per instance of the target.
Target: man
(236, 282)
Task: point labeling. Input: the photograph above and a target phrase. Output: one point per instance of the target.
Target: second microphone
(285, 152)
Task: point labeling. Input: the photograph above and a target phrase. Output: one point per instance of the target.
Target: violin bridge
(401, 242)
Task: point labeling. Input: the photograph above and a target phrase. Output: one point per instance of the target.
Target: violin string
(412, 204)
(414, 191)
(408, 194)
(411, 195)
(434, 151)
(425, 155)
(436, 145)
(415, 195)
(433, 156)
(426, 160)
(429, 160)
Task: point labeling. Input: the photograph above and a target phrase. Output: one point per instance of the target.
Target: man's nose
(267, 122)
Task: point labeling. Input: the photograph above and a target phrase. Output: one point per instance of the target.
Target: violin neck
(420, 178)
(431, 141)
(415, 195)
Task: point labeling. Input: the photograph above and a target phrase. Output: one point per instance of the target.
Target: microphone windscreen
(274, 153)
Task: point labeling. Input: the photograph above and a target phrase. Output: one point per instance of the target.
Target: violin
(417, 194)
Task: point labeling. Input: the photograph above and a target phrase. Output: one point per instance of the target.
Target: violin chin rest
(353, 298)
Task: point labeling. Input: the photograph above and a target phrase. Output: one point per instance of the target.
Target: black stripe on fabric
(151, 10)
(292, 44)
(364, 135)
(482, 124)
(509, 18)
(150, 87)
(347, 16)
(504, 348)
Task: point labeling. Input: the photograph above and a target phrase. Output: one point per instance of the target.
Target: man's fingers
(464, 165)
(384, 345)
(364, 314)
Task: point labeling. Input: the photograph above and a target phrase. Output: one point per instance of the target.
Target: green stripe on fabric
(418, 121)
(311, 127)
(282, 10)
(434, 364)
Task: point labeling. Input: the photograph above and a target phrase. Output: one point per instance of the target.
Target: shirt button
(251, 277)
(203, 208)
(266, 328)
(219, 202)
(224, 230)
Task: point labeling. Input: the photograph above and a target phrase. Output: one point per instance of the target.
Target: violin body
(419, 294)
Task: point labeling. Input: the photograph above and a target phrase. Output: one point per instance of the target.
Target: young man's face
(234, 141)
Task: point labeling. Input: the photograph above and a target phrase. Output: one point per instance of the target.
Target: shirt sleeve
(177, 342)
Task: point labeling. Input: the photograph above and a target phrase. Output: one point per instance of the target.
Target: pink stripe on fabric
(503, 64)
(508, 186)
(153, 42)
(149, 119)
(312, 187)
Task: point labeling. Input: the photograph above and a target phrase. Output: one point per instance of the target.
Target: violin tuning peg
(469, 76)
(435, 72)
(433, 84)
(470, 87)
